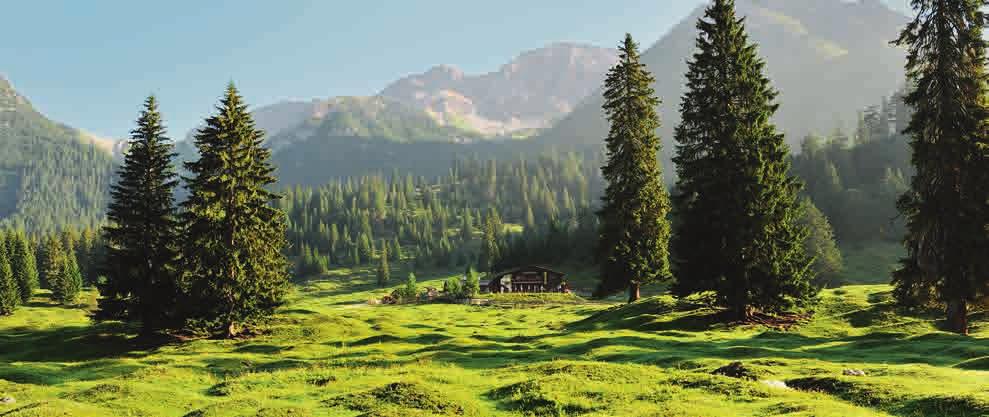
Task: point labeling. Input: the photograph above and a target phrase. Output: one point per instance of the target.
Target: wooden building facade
(525, 279)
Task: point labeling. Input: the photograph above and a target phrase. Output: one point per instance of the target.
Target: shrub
(409, 292)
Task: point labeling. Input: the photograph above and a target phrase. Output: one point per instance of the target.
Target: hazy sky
(90, 64)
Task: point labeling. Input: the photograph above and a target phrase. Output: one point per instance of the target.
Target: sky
(91, 64)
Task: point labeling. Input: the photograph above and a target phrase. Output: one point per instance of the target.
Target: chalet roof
(525, 268)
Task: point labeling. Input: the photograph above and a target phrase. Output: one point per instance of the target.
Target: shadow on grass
(72, 343)
(670, 338)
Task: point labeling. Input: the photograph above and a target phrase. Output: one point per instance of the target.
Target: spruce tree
(24, 266)
(384, 271)
(9, 295)
(54, 268)
(71, 283)
(634, 232)
(490, 250)
(946, 206)
(233, 236)
(738, 232)
(142, 235)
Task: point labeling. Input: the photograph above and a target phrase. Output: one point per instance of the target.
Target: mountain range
(443, 104)
(530, 92)
(828, 59)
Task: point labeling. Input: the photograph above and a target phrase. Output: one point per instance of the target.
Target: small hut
(525, 279)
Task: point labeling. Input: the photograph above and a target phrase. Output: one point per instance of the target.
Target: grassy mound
(535, 299)
(397, 396)
(328, 353)
(889, 397)
(542, 397)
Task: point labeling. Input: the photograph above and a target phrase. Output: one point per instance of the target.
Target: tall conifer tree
(9, 294)
(384, 271)
(142, 235)
(634, 232)
(71, 284)
(490, 248)
(25, 267)
(738, 230)
(946, 206)
(55, 269)
(234, 237)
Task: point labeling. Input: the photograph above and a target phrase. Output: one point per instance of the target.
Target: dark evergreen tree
(142, 235)
(233, 236)
(71, 283)
(947, 205)
(55, 267)
(738, 230)
(24, 266)
(634, 231)
(9, 295)
(820, 244)
(490, 250)
(384, 271)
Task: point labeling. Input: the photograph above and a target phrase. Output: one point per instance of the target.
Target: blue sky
(90, 64)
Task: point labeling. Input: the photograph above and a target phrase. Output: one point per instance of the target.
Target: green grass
(872, 262)
(328, 353)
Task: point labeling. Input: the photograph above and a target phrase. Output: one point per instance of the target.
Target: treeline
(856, 178)
(61, 262)
(737, 233)
(48, 178)
(458, 219)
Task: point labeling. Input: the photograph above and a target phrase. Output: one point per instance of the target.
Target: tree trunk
(957, 312)
(231, 329)
(741, 310)
(633, 292)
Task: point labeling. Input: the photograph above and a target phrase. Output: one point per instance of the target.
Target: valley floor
(328, 353)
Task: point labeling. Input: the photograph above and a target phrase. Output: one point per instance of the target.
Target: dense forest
(855, 178)
(49, 178)
(542, 206)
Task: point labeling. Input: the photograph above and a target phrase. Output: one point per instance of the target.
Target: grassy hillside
(328, 353)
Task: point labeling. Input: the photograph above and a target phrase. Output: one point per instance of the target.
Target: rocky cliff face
(530, 92)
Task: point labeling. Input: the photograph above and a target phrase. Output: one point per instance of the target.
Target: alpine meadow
(775, 208)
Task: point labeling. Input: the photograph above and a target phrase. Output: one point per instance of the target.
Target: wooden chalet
(525, 279)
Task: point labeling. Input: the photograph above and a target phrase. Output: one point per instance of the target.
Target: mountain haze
(533, 91)
(826, 58)
(530, 92)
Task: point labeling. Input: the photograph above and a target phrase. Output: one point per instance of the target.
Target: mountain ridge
(531, 91)
(827, 58)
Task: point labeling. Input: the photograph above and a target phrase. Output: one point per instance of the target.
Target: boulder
(853, 372)
(773, 383)
(7, 400)
(735, 370)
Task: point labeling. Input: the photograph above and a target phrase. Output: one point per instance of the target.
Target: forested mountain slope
(50, 174)
(826, 57)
